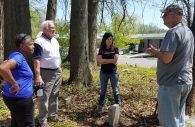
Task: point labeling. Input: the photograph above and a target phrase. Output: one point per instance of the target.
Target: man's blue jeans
(171, 104)
(104, 77)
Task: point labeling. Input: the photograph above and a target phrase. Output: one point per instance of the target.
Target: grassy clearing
(137, 89)
(138, 94)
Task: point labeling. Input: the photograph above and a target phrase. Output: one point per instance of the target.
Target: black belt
(49, 69)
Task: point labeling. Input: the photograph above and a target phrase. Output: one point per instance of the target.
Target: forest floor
(138, 90)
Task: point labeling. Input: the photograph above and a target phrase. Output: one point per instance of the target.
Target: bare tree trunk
(51, 10)
(16, 20)
(79, 59)
(190, 109)
(1, 29)
(92, 30)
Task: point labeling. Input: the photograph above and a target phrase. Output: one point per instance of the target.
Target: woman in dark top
(18, 90)
(107, 57)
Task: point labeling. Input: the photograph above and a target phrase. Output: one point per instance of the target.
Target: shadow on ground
(91, 119)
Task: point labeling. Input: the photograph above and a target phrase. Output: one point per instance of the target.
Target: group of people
(174, 73)
(18, 90)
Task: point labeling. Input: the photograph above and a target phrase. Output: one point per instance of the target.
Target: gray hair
(45, 24)
(173, 8)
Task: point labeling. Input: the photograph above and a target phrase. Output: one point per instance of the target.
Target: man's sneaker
(55, 118)
(100, 110)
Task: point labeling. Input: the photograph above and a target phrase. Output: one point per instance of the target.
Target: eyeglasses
(165, 14)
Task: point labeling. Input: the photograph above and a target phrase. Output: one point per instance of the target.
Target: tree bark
(16, 20)
(51, 10)
(1, 30)
(92, 30)
(191, 97)
(80, 73)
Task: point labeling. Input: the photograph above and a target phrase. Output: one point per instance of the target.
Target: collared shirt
(47, 51)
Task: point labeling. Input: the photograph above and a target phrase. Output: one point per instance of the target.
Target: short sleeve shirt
(23, 76)
(179, 41)
(107, 54)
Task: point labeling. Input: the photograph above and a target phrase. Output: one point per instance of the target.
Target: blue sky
(144, 11)
(147, 11)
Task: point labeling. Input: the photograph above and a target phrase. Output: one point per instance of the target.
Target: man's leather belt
(49, 69)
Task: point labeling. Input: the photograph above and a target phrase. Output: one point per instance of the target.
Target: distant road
(143, 62)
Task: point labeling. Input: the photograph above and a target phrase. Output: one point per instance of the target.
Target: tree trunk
(1, 29)
(16, 20)
(92, 30)
(191, 97)
(51, 10)
(79, 59)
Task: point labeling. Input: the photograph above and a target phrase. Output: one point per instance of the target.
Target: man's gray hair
(173, 8)
(45, 24)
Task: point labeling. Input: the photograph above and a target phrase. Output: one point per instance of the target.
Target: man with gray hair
(47, 67)
(174, 68)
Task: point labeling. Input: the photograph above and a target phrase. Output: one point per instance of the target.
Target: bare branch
(102, 11)
(124, 6)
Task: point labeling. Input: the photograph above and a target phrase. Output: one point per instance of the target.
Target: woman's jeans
(104, 77)
(171, 104)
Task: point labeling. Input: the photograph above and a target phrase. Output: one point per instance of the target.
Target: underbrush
(138, 90)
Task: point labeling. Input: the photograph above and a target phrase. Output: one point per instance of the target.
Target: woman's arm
(100, 60)
(5, 72)
(115, 59)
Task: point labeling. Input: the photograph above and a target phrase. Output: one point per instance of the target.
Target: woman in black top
(107, 57)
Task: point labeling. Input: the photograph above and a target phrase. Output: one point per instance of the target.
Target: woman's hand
(14, 89)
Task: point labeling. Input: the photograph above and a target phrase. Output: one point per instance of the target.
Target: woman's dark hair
(103, 43)
(21, 38)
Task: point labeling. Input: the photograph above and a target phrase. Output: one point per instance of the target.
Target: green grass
(4, 112)
(138, 90)
(137, 85)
